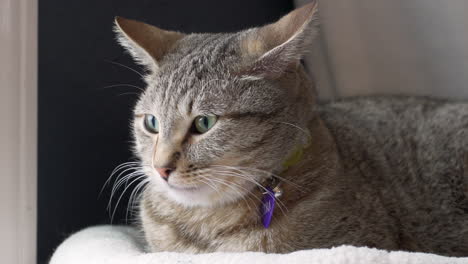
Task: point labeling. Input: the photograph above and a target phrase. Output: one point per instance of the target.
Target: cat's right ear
(147, 44)
(276, 48)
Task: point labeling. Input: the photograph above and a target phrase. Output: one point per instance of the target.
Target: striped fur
(384, 172)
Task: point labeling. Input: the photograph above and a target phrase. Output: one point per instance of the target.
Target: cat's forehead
(199, 68)
(201, 75)
(197, 54)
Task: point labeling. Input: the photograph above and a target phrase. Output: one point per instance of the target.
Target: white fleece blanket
(120, 245)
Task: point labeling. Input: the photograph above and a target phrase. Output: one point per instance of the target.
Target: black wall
(83, 127)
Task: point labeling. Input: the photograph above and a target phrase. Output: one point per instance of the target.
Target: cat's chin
(202, 196)
(191, 196)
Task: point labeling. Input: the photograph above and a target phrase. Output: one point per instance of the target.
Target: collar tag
(268, 206)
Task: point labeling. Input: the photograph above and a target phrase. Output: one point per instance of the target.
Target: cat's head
(221, 112)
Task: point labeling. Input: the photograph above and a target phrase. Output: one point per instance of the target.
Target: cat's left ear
(147, 44)
(272, 49)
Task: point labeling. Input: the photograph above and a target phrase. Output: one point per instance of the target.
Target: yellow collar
(296, 156)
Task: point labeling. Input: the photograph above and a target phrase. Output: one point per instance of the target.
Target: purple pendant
(268, 206)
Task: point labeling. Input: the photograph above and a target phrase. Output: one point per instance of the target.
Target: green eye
(151, 124)
(202, 124)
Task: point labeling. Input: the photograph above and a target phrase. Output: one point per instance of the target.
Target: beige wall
(399, 46)
(18, 129)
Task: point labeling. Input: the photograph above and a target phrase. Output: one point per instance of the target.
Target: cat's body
(396, 181)
(411, 154)
(225, 114)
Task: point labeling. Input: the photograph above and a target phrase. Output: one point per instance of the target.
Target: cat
(240, 155)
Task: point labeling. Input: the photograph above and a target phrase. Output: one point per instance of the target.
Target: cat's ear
(147, 44)
(274, 48)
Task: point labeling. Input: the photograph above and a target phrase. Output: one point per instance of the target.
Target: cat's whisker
(240, 175)
(133, 195)
(123, 180)
(123, 165)
(123, 85)
(139, 170)
(121, 195)
(128, 93)
(136, 190)
(124, 171)
(297, 186)
(126, 67)
(137, 198)
(219, 180)
(280, 204)
(306, 132)
(121, 177)
(209, 183)
(249, 195)
(120, 183)
(229, 185)
(119, 167)
(240, 168)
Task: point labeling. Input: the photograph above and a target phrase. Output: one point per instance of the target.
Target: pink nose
(164, 172)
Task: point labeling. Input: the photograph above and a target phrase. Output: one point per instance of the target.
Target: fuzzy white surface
(119, 245)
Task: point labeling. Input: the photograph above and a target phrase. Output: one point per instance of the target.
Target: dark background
(83, 127)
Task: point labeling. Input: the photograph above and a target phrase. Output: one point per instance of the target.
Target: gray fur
(385, 172)
(413, 153)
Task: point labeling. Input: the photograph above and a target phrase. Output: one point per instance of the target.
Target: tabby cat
(240, 156)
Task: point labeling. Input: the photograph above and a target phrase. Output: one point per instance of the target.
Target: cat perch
(122, 245)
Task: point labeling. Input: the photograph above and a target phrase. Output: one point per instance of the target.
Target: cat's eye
(202, 124)
(151, 124)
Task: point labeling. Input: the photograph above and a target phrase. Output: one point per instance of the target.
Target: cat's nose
(164, 172)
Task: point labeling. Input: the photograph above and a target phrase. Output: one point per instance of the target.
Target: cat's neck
(318, 165)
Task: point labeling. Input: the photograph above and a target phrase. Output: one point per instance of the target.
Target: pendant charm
(278, 191)
(268, 206)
